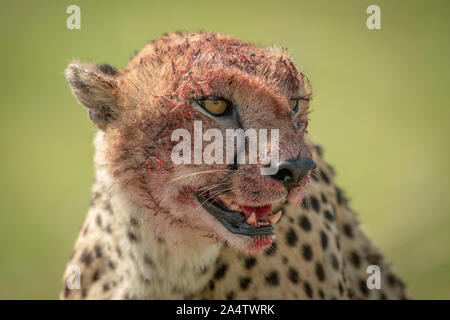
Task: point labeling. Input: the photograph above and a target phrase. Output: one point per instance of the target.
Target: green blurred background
(381, 112)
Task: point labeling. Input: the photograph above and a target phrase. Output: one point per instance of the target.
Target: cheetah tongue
(260, 212)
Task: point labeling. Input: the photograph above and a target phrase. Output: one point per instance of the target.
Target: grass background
(381, 112)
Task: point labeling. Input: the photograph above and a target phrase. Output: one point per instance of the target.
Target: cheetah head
(176, 82)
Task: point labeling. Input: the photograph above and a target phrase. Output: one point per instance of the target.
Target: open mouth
(240, 219)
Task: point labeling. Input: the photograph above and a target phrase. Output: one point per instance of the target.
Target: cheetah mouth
(244, 220)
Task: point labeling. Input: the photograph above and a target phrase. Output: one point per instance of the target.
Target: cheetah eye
(294, 106)
(216, 107)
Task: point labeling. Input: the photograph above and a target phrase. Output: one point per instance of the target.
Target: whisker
(218, 192)
(197, 173)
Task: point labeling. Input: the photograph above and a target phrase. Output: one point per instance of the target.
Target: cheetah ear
(95, 86)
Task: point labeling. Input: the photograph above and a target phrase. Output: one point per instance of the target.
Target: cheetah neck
(160, 270)
(154, 267)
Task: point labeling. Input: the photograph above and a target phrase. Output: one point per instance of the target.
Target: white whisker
(197, 173)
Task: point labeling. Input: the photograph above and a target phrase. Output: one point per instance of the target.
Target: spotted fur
(145, 236)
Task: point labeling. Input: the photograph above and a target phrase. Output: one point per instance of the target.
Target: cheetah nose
(291, 172)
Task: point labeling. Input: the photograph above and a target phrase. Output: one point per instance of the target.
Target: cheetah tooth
(229, 203)
(252, 219)
(275, 217)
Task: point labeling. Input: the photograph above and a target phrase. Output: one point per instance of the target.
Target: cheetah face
(245, 203)
(225, 84)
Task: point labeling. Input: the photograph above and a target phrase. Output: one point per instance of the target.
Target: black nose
(291, 172)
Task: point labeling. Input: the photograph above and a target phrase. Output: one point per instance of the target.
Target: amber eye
(216, 107)
(293, 104)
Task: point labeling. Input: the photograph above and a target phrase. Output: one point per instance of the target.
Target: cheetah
(156, 230)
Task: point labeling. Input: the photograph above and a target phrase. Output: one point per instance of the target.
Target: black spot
(348, 231)
(133, 221)
(293, 275)
(304, 223)
(321, 294)
(94, 197)
(272, 278)
(272, 249)
(305, 203)
(374, 258)
(119, 252)
(291, 237)
(363, 287)
(355, 259)
(393, 280)
(334, 262)
(111, 265)
(320, 273)
(96, 275)
(341, 288)
(323, 240)
(340, 196)
(284, 260)
(107, 69)
(220, 272)
(108, 208)
(324, 177)
(324, 199)
(307, 288)
(338, 244)
(98, 220)
(98, 251)
(211, 285)
(307, 252)
(108, 228)
(244, 282)
(328, 215)
(250, 262)
(160, 240)
(86, 257)
(315, 204)
(132, 236)
(230, 295)
(351, 293)
(148, 260)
